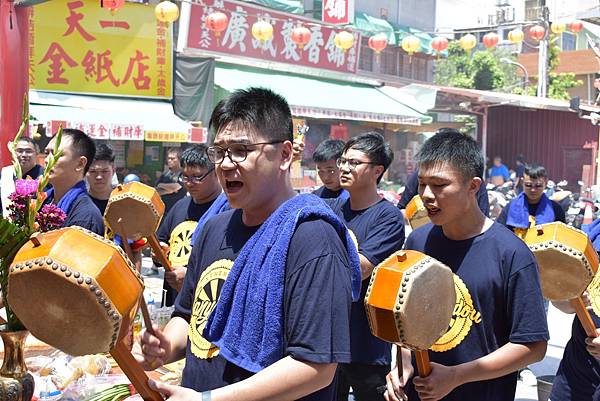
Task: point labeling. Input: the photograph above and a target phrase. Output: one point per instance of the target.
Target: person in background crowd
(99, 176)
(519, 171)
(68, 190)
(499, 324)
(173, 172)
(325, 157)
(175, 232)
(27, 151)
(264, 309)
(378, 228)
(498, 174)
(532, 206)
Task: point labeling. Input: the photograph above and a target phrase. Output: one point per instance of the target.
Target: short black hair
(82, 144)
(258, 109)
(329, 149)
(195, 156)
(104, 153)
(373, 144)
(450, 146)
(30, 141)
(535, 171)
(176, 151)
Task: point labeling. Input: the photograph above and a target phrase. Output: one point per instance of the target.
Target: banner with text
(319, 52)
(77, 46)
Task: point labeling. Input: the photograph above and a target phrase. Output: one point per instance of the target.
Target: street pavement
(559, 325)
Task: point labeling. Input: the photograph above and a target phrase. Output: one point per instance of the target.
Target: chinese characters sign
(319, 52)
(76, 46)
(105, 131)
(338, 11)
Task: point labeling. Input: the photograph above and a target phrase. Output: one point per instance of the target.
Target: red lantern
(490, 40)
(378, 42)
(216, 22)
(537, 32)
(301, 36)
(113, 5)
(439, 44)
(575, 26)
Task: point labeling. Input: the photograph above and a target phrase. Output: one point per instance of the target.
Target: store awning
(94, 112)
(369, 25)
(288, 6)
(320, 98)
(403, 31)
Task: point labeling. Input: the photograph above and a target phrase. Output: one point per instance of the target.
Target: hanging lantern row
(112, 5)
(166, 11)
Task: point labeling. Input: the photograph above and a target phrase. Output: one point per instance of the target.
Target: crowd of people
(268, 286)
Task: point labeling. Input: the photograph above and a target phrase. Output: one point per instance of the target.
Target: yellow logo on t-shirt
(593, 291)
(463, 317)
(206, 296)
(181, 243)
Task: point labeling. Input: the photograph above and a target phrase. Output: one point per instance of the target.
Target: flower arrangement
(27, 214)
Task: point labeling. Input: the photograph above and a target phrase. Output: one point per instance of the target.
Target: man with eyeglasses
(378, 228)
(264, 309)
(100, 176)
(175, 231)
(532, 206)
(325, 157)
(27, 156)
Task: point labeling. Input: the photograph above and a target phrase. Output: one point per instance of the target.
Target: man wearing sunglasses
(175, 232)
(532, 206)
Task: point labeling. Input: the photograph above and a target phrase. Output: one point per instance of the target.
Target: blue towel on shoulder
(593, 232)
(518, 212)
(66, 202)
(219, 205)
(247, 323)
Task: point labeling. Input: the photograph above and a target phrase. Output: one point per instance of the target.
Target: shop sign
(167, 136)
(77, 46)
(100, 130)
(338, 11)
(319, 52)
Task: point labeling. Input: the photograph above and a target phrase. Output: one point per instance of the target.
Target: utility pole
(542, 89)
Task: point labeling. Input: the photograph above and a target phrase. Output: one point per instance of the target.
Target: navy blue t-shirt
(176, 230)
(379, 232)
(559, 213)
(578, 375)
(412, 188)
(84, 213)
(499, 300)
(325, 193)
(316, 302)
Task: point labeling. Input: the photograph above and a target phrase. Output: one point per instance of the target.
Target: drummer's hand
(438, 384)
(587, 301)
(397, 382)
(593, 345)
(176, 277)
(151, 351)
(297, 150)
(175, 393)
(165, 248)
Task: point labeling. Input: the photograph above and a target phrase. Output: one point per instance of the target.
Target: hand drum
(410, 300)
(416, 212)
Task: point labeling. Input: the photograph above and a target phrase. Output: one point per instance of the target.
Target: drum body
(416, 212)
(138, 206)
(410, 300)
(566, 259)
(75, 290)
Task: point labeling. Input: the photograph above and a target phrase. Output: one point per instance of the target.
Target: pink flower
(26, 187)
(50, 217)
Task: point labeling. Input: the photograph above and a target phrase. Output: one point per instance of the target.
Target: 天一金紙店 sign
(77, 46)
(319, 52)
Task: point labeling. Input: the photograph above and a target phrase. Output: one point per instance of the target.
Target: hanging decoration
(216, 22)
(558, 27)
(301, 36)
(516, 36)
(490, 40)
(576, 26)
(411, 44)
(537, 32)
(112, 5)
(343, 40)
(166, 11)
(468, 42)
(262, 31)
(378, 42)
(439, 44)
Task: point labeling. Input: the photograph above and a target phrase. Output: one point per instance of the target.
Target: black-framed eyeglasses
(237, 152)
(536, 186)
(195, 179)
(352, 163)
